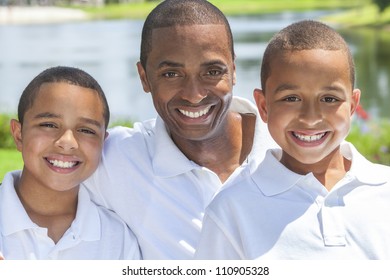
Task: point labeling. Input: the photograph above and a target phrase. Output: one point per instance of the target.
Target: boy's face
(190, 73)
(62, 136)
(308, 104)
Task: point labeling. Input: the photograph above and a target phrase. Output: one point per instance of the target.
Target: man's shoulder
(139, 130)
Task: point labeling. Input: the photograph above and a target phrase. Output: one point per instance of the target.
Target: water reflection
(109, 50)
(372, 58)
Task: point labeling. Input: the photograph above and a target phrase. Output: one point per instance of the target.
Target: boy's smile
(308, 103)
(61, 136)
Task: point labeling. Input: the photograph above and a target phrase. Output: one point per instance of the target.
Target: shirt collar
(362, 169)
(273, 178)
(169, 161)
(10, 206)
(86, 224)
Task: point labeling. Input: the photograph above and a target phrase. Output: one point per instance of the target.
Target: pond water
(109, 50)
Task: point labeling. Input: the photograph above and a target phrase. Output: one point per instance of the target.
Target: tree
(382, 4)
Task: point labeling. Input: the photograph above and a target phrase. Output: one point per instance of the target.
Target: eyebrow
(168, 63)
(214, 62)
(48, 115)
(333, 88)
(284, 87)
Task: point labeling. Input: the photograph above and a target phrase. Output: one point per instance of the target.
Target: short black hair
(181, 12)
(305, 35)
(59, 74)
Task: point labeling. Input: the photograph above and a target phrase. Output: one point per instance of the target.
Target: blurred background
(103, 37)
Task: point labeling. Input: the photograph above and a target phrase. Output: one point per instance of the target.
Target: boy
(316, 197)
(44, 214)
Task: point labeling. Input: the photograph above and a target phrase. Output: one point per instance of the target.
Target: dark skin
(54, 212)
(237, 140)
(191, 78)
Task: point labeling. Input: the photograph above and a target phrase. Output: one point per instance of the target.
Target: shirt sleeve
(216, 242)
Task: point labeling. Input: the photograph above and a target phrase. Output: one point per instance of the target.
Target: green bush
(6, 140)
(372, 139)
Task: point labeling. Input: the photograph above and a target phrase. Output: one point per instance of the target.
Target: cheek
(341, 119)
(92, 150)
(35, 142)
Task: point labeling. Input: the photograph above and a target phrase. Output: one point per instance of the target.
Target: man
(160, 175)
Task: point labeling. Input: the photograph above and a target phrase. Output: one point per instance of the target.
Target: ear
(234, 73)
(355, 100)
(106, 135)
(16, 131)
(143, 78)
(259, 97)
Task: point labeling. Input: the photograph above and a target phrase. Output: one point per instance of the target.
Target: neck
(54, 210)
(45, 201)
(328, 171)
(228, 150)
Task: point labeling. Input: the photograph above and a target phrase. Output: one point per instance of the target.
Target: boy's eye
(329, 99)
(87, 131)
(48, 125)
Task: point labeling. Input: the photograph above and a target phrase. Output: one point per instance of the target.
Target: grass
(11, 159)
(361, 16)
(139, 10)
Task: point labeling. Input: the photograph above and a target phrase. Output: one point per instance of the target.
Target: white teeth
(309, 138)
(63, 164)
(194, 115)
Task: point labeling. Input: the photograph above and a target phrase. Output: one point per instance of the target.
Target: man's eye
(214, 72)
(170, 74)
(291, 99)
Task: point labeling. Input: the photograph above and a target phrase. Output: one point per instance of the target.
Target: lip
(63, 164)
(195, 114)
(309, 139)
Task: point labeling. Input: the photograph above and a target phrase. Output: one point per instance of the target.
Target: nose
(310, 114)
(193, 90)
(67, 141)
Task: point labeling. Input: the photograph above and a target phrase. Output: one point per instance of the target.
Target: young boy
(316, 197)
(44, 214)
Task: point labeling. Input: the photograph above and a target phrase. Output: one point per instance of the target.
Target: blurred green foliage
(372, 139)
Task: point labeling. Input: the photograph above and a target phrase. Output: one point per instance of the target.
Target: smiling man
(160, 175)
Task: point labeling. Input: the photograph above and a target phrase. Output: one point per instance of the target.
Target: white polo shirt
(96, 233)
(278, 214)
(159, 192)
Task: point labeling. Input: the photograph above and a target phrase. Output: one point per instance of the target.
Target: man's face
(190, 73)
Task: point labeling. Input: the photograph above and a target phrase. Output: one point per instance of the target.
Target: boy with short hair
(44, 213)
(317, 197)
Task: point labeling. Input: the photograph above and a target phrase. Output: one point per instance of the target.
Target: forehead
(62, 95)
(182, 41)
(309, 68)
(316, 61)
